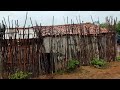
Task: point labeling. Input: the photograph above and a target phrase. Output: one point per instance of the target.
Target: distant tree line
(105, 25)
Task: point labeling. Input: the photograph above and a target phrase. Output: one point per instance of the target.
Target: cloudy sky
(45, 17)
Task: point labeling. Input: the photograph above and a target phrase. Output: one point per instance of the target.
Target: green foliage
(118, 27)
(20, 75)
(98, 63)
(72, 65)
(60, 71)
(118, 58)
(103, 25)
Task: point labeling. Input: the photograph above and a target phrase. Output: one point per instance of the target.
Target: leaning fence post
(0, 57)
(2, 32)
(0, 53)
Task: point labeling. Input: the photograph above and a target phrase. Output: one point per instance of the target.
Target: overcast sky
(45, 17)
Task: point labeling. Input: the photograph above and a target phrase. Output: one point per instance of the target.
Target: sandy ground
(89, 72)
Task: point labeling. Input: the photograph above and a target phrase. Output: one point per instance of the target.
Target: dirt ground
(89, 72)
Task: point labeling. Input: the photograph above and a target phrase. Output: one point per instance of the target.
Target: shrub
(118, 58)
(98, 62)
(60, 71)
(72, 65)
(20, 75)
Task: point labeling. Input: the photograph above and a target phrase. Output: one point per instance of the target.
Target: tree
(118, 27)
(103, 25)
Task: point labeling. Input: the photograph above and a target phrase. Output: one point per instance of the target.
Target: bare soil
(89, 72)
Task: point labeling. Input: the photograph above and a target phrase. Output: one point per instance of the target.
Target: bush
(98, 62)
(20, 75)
(72, 65)
(118, 58)
(60, 72)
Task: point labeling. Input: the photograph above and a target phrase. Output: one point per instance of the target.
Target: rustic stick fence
(51, 48)
(20, 52)
(76, 41)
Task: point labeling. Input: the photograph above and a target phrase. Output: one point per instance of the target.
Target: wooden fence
(80, 47)
(23, 54)
(31, 55)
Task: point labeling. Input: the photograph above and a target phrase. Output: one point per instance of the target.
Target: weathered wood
(29, 55)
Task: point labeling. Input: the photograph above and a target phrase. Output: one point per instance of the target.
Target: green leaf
(19, 75)
(98, 62)
(72, 64)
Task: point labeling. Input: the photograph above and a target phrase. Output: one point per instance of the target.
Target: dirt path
(88, 72)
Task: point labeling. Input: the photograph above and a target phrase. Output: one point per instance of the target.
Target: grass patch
(72, 65)
(20, 75)
(118, 58)
(60, 72)
(99, 63)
